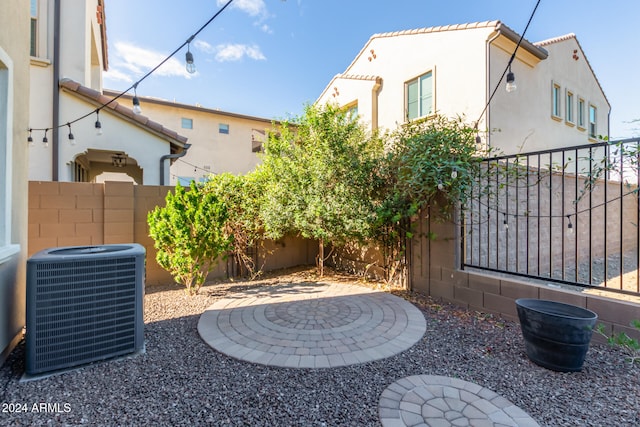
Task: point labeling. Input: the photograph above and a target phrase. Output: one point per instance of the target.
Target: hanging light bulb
(191, 67)
(454, 173)
(511, 81)
(72, 139)
(136, 101)
(45, 140)
(98, 125)
(569, 226)
(30, 139)
(440, 186)
(505, 222)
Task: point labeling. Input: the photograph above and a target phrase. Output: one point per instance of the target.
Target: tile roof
(555, 39)
(97, 98)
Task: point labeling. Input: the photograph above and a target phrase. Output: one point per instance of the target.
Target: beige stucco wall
(459, 79)
(14, 59)
(467, 65)
(210, 150)
(118, 134)
(521, 121)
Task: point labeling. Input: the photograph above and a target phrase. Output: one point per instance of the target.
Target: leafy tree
(322, 179)
(242, 196)
(189, 235)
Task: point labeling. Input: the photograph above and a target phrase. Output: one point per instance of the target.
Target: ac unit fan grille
(85, 310)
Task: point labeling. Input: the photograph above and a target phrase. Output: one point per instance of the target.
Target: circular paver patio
(311, 325)
(429, 400)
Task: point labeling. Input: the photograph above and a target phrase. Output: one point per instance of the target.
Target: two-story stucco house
(453, 70)
(68, 55)
(14, 122)
(220, 141)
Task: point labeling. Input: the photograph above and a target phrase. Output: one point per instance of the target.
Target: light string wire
(97, 109)
(504, 73)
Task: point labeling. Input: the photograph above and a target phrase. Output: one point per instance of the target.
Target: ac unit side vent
(84, 304)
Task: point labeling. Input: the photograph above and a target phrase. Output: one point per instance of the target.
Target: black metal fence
(567, 215)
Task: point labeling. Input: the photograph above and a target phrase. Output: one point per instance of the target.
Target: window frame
(556, 101)
(224, 128)
(186, 120)
(33, 30)
(580, 119)
(569, 111)
(7, 248)
(593, 134)
(420, 97)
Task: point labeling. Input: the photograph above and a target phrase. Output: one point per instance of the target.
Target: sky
(269, 58)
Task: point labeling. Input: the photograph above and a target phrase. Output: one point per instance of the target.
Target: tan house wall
(78, 214)
(14, 122)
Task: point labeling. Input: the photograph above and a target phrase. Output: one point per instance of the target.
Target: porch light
(511, 81)
(98, 125)
(45, 140)
(72, 139)
(136, 101)
(191, 67)
(118, 160)
(30, 139)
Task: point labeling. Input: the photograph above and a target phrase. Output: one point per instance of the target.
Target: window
(352, 112)
(419, 96)
(555, 101)
(593, 124)
(187, 123)
(33, 49)
(7, 249)
(581, 123)
(569, 114)
(257, 139)
(223, 128)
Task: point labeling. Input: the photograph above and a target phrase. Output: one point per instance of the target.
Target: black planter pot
(556, 335)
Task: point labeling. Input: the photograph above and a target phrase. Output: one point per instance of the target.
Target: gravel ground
(180, 380)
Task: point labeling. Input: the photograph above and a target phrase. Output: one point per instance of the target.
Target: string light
(440, 186)
(136, 101)
(569, 226)
(511, 81)
(98, 125)
(191, 67)
(45, 140)
(30, 139)
(454, 173)
(505, 222)
(72, 139)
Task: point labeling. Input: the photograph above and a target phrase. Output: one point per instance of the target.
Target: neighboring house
(220, 141)
(453, 70)
(14, 122)
(68, 56)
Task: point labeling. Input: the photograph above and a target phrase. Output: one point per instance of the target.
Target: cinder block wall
(84, 214)
(434, 271)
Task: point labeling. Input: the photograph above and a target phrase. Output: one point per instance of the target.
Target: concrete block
(118, 202)
(484, 283)
(57, 230)
(441, 289)
(76, 188)
(43, 216)
(517, 290)
(72, 216)
(500, 304)
(114, 188)
(91, 229)
(74, 241)
(613, 311)
(44, 187)
(36, 245)
(118, 215)
(89, 202)
(564, 296)
(57, 202)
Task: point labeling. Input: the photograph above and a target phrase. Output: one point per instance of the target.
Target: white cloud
(129, 62)
(117, 75)
(251, 7)
(265, 28)
(203, 46)
(235, 52)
